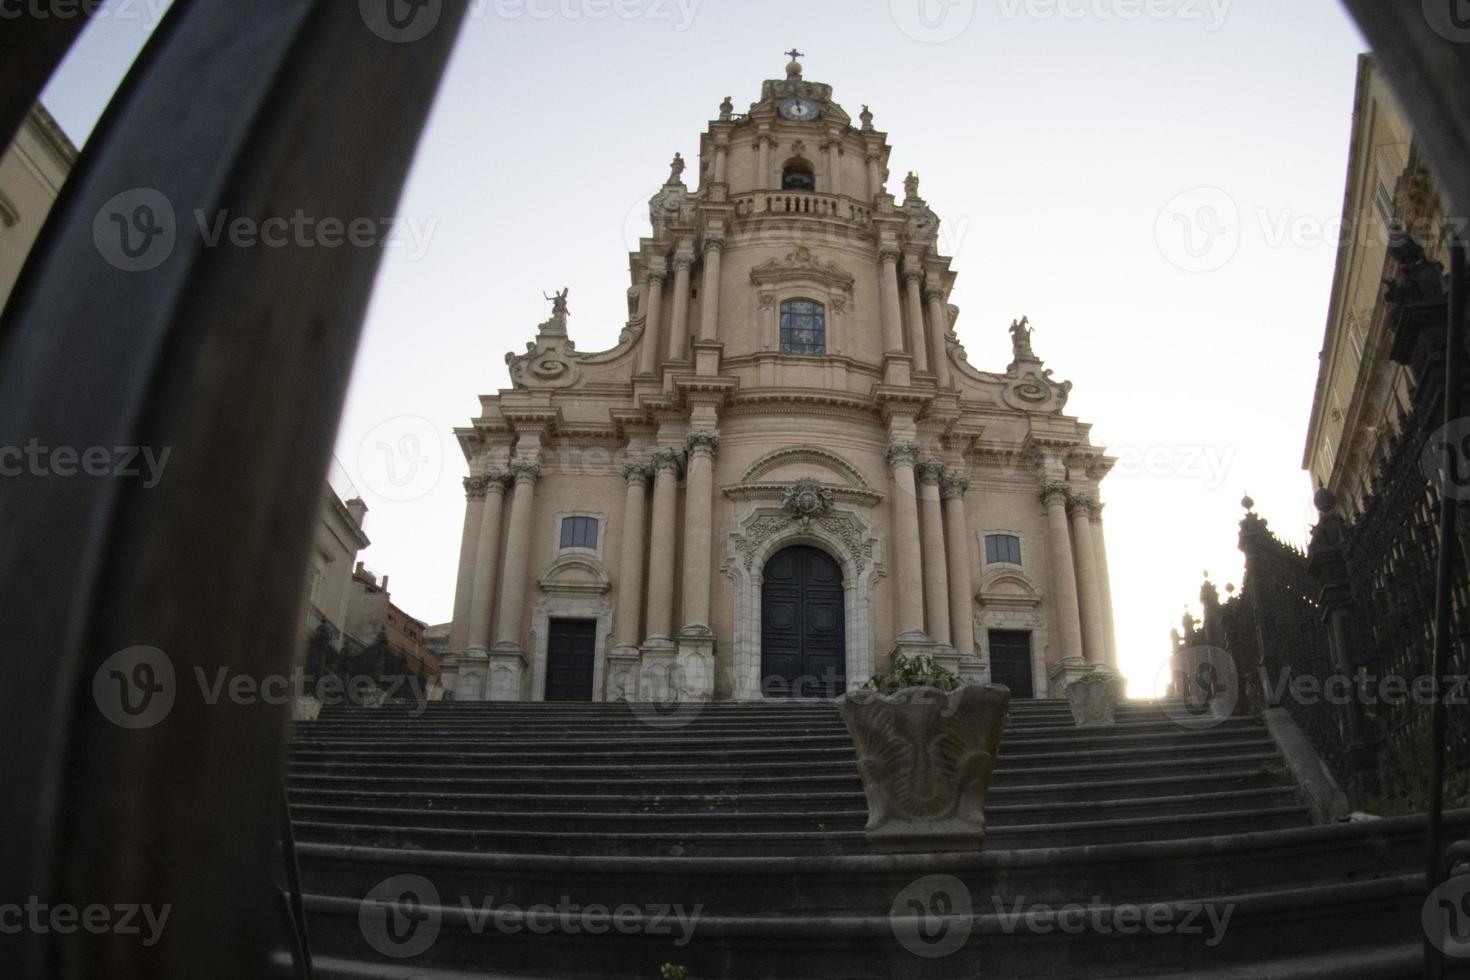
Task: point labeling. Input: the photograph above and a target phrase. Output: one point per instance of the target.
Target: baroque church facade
(787, 470)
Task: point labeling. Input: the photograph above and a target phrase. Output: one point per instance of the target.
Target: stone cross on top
(793, 70)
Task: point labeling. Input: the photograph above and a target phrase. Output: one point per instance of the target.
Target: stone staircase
(510, 832)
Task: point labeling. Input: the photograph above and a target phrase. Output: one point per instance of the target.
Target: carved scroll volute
(926, 758)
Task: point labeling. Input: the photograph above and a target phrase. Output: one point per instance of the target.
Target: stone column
(1104, 583)
(525, 472)
(679, 325)
(888, 255)
(957, 549)
(710, 298)
(464, 589)
(699, 505)
(652, 314)
(630, 573)
(938, 334)
(875, 177)
(936, 568)
(722, 153)
(660, 624)
(1089, 600)
(914, 279)
(1063, 600)
(908, 583)
(487, 562)
(763, 163)
(834, 166)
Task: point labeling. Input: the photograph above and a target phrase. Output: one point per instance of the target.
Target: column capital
(666, 459)
(1080, 503)
(1095, 511)
(683, 263)
(703, 442)
(913, 275)
(714, 242)
(475, 487)
(658, 276)
(890, 253)
(954, 485)
(525, 471)
(904, 453)
(933, 293)
(1053, 494)
(636, 473)
(930, 472)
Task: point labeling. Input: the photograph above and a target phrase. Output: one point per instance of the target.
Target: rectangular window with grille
(1002, 549)
(579, 532)
(803, 327)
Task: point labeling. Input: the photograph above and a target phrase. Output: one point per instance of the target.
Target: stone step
(1138, 872)
(832, 834)
(763, 711)
(841, 811)
(773, 772)
(559, 734)
(1404, 961)
(727, 795)
(754, 748)
(992, 940)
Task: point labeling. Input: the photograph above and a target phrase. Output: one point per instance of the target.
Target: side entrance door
(571, 646)
(1010, 662)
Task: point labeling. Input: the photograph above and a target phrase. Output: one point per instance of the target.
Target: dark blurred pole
(1444, 613)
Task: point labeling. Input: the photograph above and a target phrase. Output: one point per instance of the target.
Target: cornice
(775, 491)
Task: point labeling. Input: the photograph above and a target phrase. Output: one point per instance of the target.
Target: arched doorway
(803, 639)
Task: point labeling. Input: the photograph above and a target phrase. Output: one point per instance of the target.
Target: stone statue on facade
(727, 109)
(911, 185)
(676, 169)
(559, 309)
(1021, 339)
(1419, 280)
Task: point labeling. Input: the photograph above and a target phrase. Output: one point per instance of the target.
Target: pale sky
(1156, 183)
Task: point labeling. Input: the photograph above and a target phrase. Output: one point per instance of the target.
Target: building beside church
(1361, 391)
(787, 470)
(32, 170)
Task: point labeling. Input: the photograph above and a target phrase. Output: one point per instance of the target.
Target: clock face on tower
(799, 109)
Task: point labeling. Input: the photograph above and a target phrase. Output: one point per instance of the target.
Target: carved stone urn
(926, 758)
(1094, 698)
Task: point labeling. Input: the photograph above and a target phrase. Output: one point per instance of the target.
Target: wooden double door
(803, 634)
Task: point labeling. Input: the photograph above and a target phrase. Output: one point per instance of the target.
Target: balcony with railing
(793, 203)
